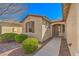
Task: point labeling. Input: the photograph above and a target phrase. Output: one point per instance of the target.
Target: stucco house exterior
(10, 27)
(33, 25)
(43, 29)
(37, 26)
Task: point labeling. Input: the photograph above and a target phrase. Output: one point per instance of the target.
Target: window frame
(30, 27)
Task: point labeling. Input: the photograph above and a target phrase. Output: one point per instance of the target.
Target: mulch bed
(64, 50)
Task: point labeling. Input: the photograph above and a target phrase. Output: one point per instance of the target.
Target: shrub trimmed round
(30, 45)
(20, 37)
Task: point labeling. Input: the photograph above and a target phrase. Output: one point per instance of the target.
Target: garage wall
(6, 29)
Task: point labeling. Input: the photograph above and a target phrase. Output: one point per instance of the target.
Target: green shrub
(7, 37)
(30, 45)
(20, 37)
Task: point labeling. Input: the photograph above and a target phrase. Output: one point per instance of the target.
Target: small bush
(30, 45)
(6, 37)
(20, 37)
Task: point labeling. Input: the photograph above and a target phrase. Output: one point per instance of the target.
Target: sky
(52, 10)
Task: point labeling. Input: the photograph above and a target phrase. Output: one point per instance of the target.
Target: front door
(58, 29)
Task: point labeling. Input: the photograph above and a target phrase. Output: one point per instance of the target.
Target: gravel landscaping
(64, 50)
(20, 52)
(4, 47)
(8, 46)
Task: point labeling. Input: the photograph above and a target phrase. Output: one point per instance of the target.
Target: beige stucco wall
(37, 27)
(77, 14)
(46, 32)
(71, 29)
(7, 29)
(40, 32)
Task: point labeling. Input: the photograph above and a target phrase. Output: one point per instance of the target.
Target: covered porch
(58, 29)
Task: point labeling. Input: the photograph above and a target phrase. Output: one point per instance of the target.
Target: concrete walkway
(51, 48)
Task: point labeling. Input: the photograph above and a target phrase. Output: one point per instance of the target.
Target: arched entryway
(58, 29)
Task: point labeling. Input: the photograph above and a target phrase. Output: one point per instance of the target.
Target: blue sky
(52, 10)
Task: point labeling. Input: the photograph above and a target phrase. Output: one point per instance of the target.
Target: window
(30, 26)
